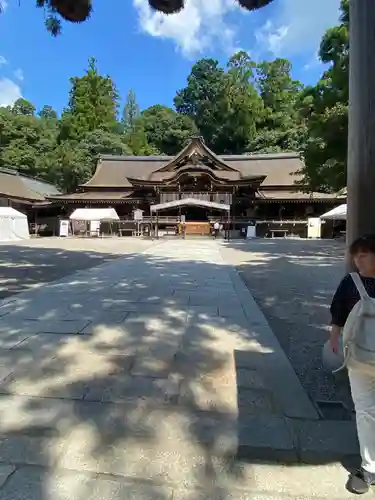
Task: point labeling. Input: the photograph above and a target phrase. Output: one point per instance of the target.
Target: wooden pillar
(36, 222)
(228, 225)
(361, 143)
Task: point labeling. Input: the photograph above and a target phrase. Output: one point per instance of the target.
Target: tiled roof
(294, 195)
(96, 196)
(279, 169)
(16, 186)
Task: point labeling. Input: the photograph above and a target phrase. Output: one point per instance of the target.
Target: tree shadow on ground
(122, 378)
(293, 282)
(25, 267)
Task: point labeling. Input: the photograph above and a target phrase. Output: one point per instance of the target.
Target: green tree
(325, 111)
(202, 99)
(23, 107)
(72, 165)
(20, 137)
(241, 68)
(75, 161)
(244, 106)
(46, 163)
(48, 113)
(279, 127)
(223, 104)
(93, 104)
(130, 112)
(165, 129)
(137, 141)
(101, 142)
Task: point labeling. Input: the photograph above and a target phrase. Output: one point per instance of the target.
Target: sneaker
(360, 482)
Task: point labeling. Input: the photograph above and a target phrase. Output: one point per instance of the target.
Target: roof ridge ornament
(194, 158)
(198, 138)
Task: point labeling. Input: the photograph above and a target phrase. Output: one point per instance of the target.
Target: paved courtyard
(156, 376)
(293, 282)
(29, 264)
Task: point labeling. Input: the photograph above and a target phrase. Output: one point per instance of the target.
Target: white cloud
(3, 5)
(296, 26)
(293, 27)
(9, 92)
(3, 60)
(19, 74)
(200, 25)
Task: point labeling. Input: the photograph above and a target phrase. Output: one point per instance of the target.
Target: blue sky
(148, 52)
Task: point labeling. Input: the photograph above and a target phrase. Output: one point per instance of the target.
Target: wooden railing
(166, 219)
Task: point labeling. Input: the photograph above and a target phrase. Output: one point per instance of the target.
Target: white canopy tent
(94, 214)
(337, 213)
(190, 202)
(13, 225)
(92, 219)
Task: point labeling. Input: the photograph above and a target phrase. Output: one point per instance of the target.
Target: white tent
(13, 225)
(94, 214)
(337, 213)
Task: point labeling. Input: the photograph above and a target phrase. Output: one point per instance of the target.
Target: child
(362, 385)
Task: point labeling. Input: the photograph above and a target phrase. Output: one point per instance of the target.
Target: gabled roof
(21, 187)
(231, 177)
(196, 152)
(278, 170)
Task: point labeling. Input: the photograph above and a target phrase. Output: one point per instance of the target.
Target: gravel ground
(293, 282)
(28, 264)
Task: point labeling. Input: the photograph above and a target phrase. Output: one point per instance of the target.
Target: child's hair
(363, 244)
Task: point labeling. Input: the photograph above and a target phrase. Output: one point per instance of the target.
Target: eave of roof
(14, 185)
(294, 196)
(277, 169)
(165, 158)
(95, 197)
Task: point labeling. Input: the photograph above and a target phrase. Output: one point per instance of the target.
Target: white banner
(94, 227)
(64, 228)
(314, 227)
(250, 232)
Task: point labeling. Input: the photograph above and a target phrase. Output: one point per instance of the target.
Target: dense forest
(242, 108)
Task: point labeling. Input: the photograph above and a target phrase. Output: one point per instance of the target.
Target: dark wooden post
(361, 144)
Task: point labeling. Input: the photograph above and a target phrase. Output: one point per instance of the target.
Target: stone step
(274, 438)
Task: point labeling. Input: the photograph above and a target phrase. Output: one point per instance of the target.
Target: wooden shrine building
(196, 186)
(30, 196)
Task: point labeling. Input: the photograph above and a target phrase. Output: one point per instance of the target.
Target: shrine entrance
(194, 213)
(195, 216)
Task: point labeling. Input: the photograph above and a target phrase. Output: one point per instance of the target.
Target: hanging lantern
(254, 4)
(167, 6)
(75, 11)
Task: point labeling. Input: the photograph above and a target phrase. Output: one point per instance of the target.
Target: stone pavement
(156, 376)
(293, 282)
